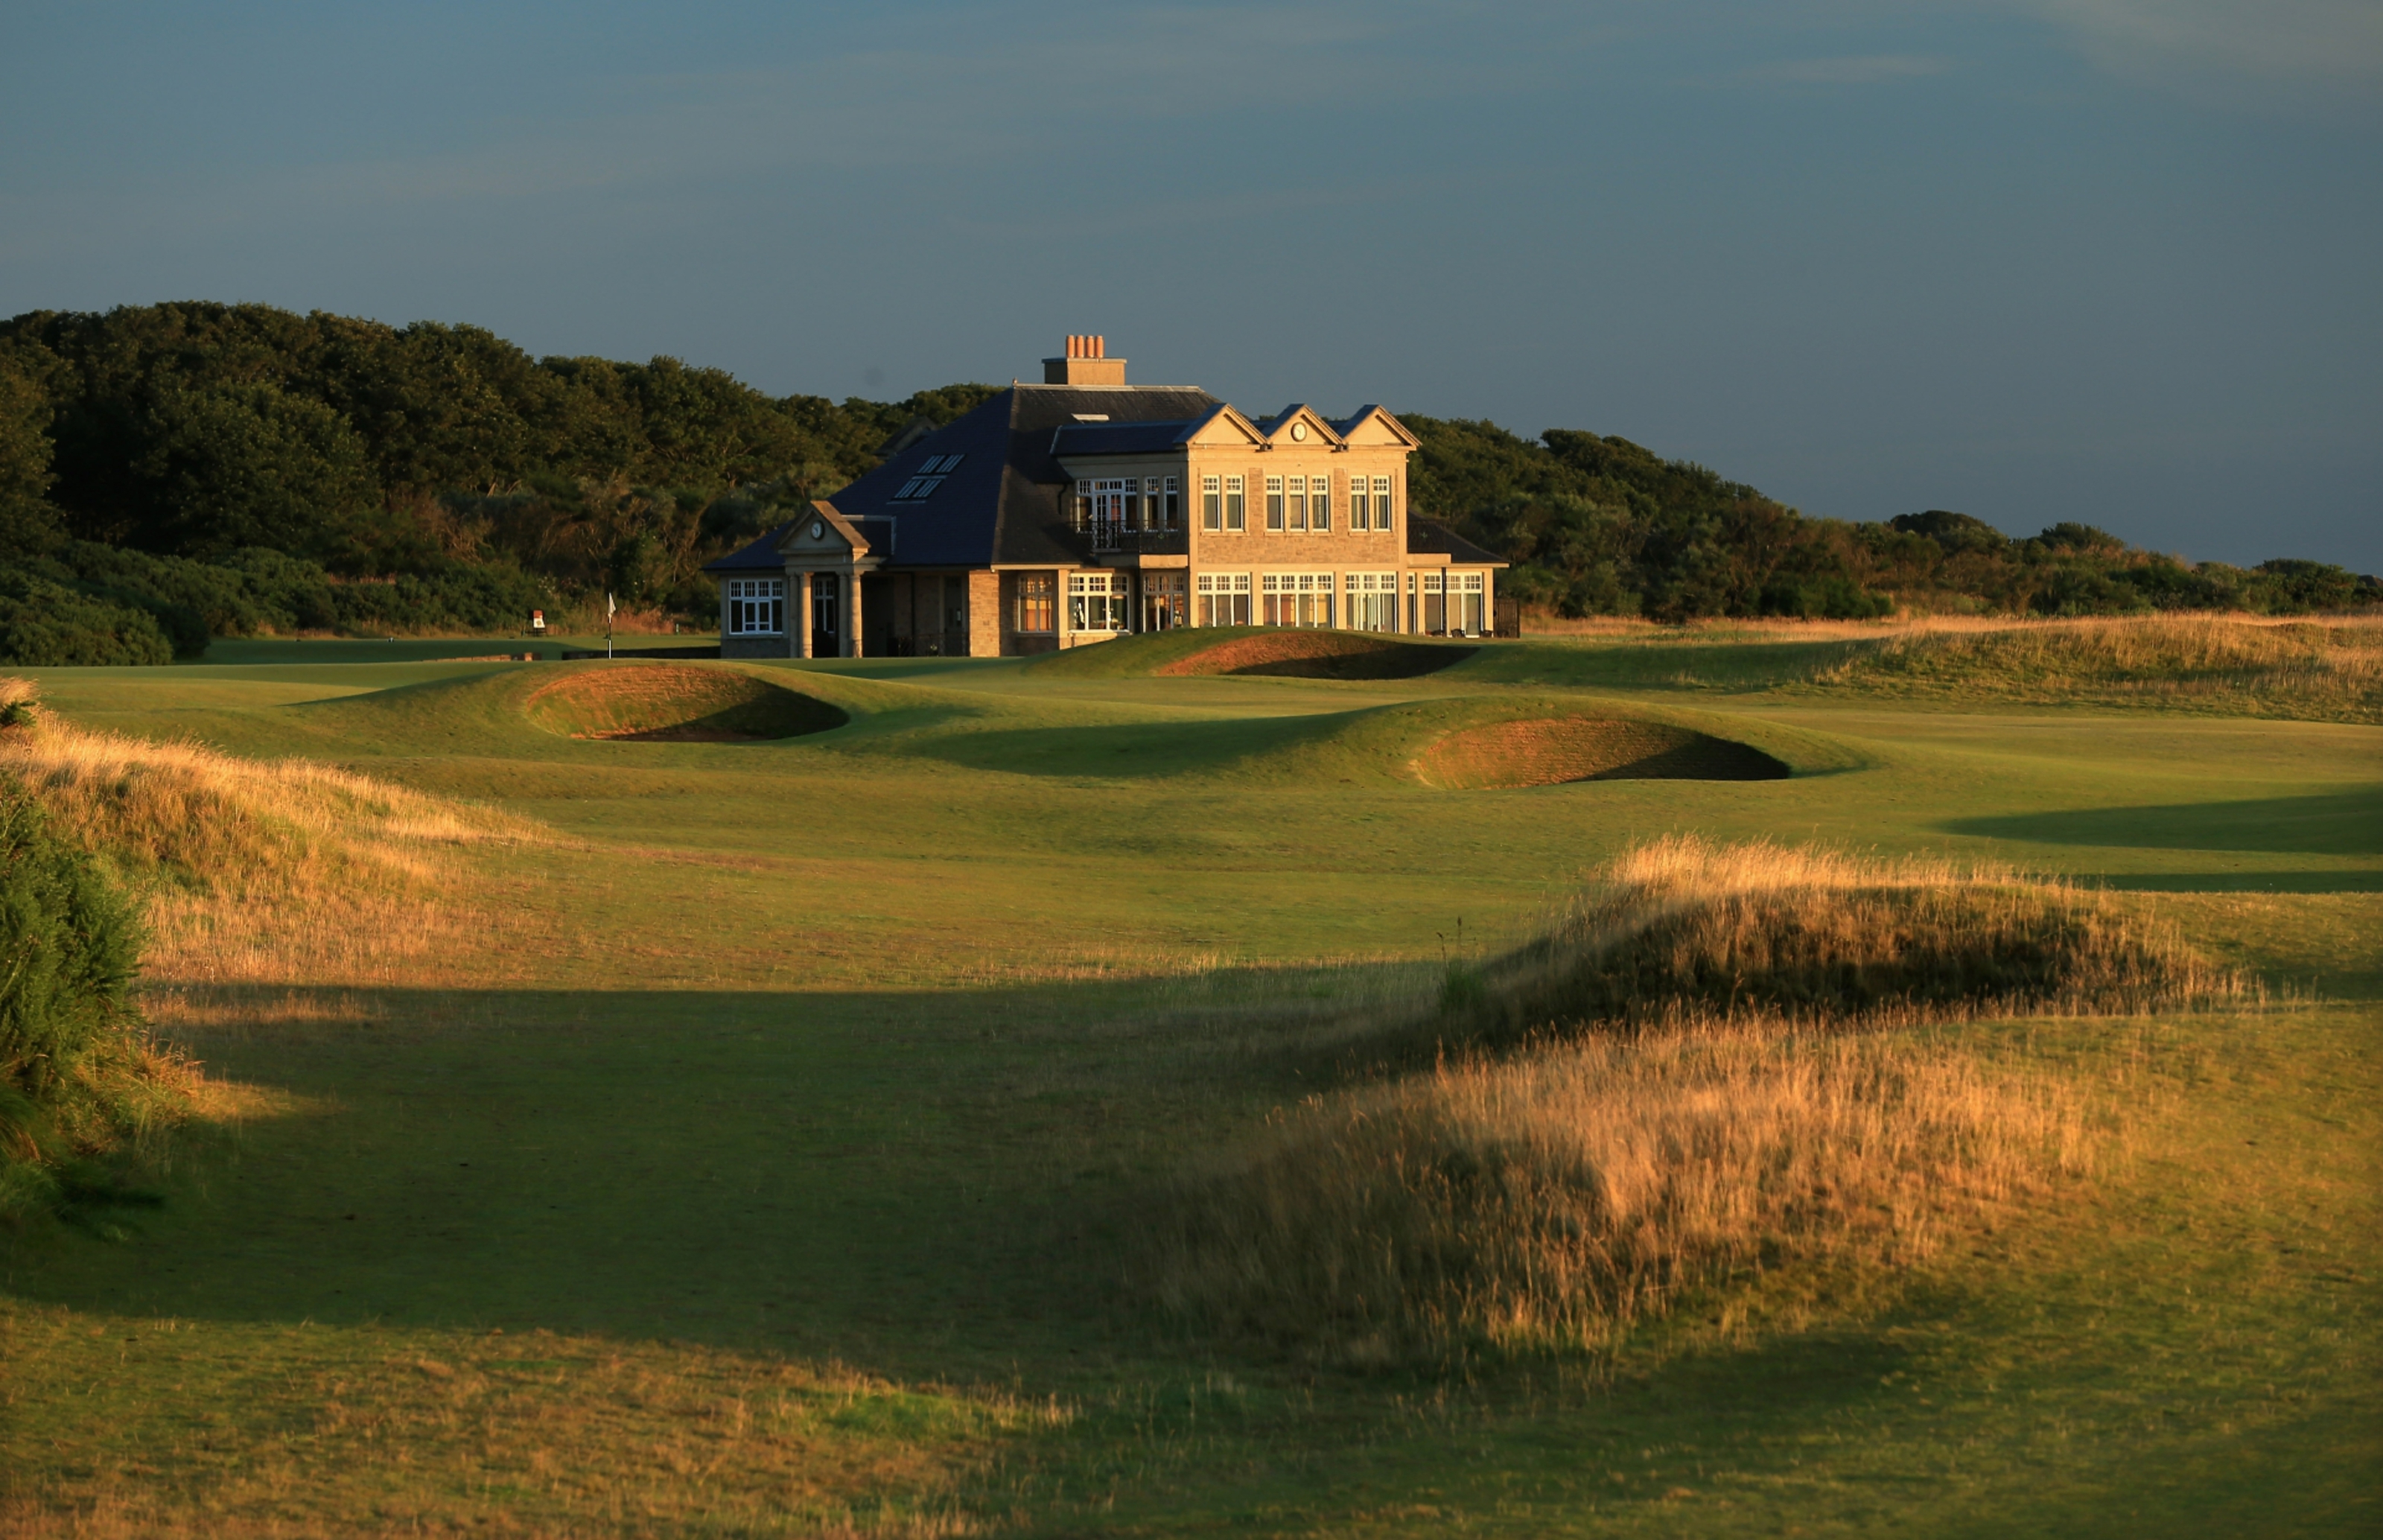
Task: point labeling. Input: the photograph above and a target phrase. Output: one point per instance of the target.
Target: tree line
(176, 472)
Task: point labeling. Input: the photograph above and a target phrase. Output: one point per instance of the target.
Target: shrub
(77, 1074)
(46, 625)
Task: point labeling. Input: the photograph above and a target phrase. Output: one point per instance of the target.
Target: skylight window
(930, 476)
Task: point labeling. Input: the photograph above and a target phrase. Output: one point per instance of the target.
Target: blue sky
(2108, 259)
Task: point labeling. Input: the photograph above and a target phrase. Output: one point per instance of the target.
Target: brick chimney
(1086, 361)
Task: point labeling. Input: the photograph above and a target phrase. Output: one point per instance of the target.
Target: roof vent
(1085, 362)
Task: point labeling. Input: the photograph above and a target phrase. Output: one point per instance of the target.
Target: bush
(76, 1073)
(47, 624)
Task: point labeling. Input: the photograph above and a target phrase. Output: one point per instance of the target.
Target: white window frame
(1381, 503)
(1371, 602)
(757, 607)
(1222, 599)
(1100, 601)
(1212, 503)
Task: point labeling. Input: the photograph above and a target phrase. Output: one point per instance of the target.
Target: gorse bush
(77, 1073)
(1667, 1092)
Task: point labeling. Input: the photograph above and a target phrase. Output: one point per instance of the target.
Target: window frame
(1237, 507)
(1319, 503)
(1212, 503)
(1037, 592)
(1274, 505)
(748, 599)
(1382, 499)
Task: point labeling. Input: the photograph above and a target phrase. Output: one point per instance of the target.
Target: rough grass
(2321, 670)
(1680, 925)
(675, 703)
(1554, 751)
(257, 870)
(1552, 1201)
(1725, 1121)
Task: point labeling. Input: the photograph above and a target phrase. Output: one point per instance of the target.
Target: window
(1435, 605)
(1319, 502)
(1295, 598)
(1224, 599)
(1171, 511)
(1381, 503)
(1465, 597)
(1235, 513)
(1161, 601)
(1298, 499)
(1038, 601)
(1372, 601)
(1212, 503)
(757, 607)
(929, 477)
(1274, 503)
(1099, 601)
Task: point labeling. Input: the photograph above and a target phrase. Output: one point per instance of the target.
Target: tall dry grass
(1556, 1198)
(2329, 668)
(1682, 926)
(259, 871)
(1666, 1093)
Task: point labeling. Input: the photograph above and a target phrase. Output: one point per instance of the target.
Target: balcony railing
(1116, 535)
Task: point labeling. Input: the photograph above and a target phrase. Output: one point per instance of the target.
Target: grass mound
(1551, 751)
(1725, 1123)
(1552, 1201)
(675, 703)
(1318, 655)
(1680, 927)
(2305, 669)
(253, 870)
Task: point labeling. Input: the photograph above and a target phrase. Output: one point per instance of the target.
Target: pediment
(1225, 427)
(824, 534)
(1373, 428)
(1305, 428)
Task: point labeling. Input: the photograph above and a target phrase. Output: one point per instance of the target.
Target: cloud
(2336, 44)
(1856, 70)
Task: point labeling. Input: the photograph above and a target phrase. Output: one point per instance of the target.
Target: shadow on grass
(2337, 823)
(895, 1181)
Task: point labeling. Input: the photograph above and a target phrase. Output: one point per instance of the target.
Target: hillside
(174, 473)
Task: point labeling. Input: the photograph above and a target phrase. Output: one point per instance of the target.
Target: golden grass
(1554, 1199)
(392, 1432)
(260, 871)
(2330, 667)
(1692, 1105)
(1682, 926)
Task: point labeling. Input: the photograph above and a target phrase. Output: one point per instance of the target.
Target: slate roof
(1082, 438)
(761, 556)
(1426, 538)
(1001, 503)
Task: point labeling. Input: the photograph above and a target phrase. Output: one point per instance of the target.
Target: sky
(2112, 261)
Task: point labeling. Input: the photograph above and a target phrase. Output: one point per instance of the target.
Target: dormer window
(929, 477)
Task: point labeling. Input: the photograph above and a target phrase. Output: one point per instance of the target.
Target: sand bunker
(673, 703)
(1320, 655)
(1550, 752)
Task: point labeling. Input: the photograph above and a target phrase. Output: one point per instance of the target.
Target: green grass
(771, 1177)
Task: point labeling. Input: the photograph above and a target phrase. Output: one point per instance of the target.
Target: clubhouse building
(1085, 507)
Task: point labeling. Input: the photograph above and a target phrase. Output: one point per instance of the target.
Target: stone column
(850, 577)
(800, 591)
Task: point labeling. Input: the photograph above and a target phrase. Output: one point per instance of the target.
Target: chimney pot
(1100, 347)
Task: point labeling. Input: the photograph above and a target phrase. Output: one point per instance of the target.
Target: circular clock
(1299, 430)
(818, 529)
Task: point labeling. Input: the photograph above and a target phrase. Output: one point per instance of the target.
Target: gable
(1373, 427)
(1224, 428)
(1303, 427)
(824, 535)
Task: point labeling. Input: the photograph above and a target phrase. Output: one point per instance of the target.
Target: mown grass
(827, 1067)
